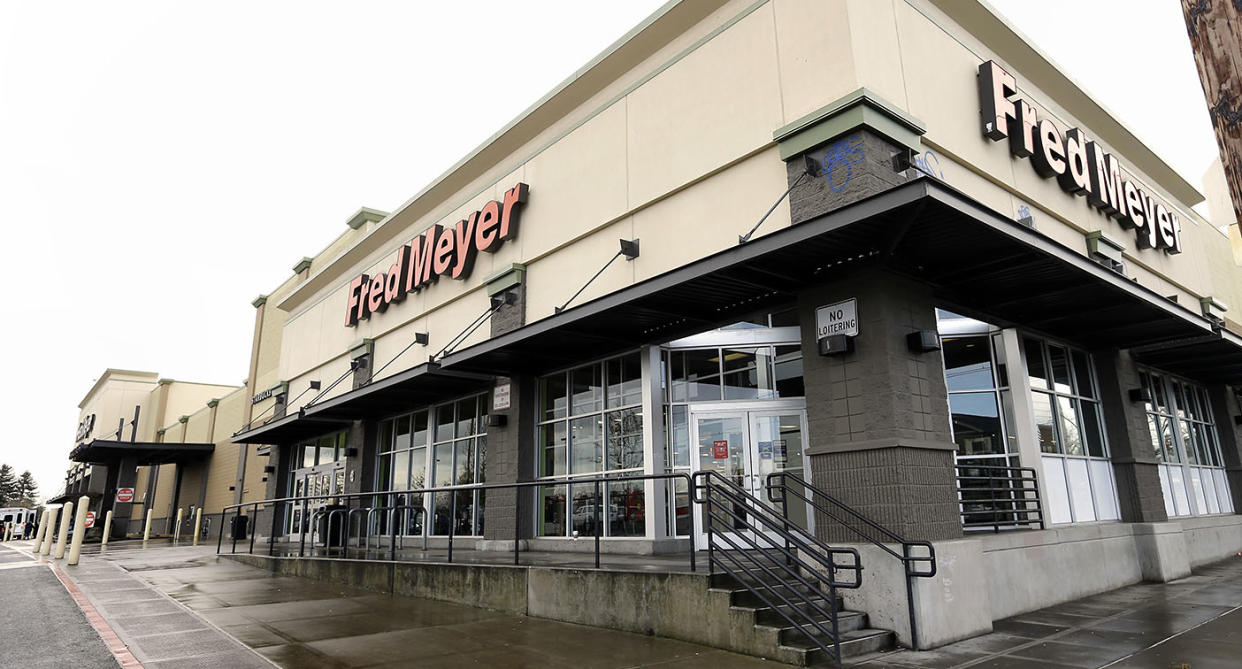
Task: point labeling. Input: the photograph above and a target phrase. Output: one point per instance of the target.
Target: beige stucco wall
(937, 78)
(677, 151)
(113, 398)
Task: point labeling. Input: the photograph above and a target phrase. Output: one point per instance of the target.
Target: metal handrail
(778, 489)
(784, 559)
(1008, 499)
(346, 498)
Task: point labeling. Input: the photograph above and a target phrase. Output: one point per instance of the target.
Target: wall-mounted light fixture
(836, 345)
(351, 452)
(1140, 395)
(497, 420)
(269, 469)
(923, 341)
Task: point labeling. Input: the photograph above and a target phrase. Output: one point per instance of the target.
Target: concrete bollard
(146, 532)
(79, 530)
(62, 534)
(177, 527)
(39, 532)
(107, 528)
(8, 533)
(47, 530)
(198, 523)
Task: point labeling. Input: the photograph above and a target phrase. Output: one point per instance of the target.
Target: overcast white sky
(161, 164)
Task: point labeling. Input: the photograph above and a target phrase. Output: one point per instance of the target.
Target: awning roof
(979, 263)
(1210, 358)
(105, 452)
(412, 388)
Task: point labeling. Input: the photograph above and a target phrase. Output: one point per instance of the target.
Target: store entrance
(318, 483)
(745, 444)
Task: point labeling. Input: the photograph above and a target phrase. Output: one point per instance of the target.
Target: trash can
(240, 524)
(336, 537)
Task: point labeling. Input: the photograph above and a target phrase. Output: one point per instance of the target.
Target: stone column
(510, 458)
(1226, 407)
(878, 417)
(1134, 460)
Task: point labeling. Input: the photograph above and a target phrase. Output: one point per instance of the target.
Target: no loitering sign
(837, 319)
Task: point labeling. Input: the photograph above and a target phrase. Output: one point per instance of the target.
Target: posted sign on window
(837, 319)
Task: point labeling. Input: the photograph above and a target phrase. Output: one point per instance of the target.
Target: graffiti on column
(838, 162)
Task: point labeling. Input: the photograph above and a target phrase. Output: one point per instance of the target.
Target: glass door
(318, 483)
(744, 447)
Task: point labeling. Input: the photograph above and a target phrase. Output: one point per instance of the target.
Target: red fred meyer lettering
(1080, 166)
(438, 252)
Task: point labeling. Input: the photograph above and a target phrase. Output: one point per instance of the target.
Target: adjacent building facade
(876, 245)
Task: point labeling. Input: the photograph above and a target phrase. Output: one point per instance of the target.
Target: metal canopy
(288, 429)
(412, 388)
(1211, 358)
(977, 261)
(418, 386)
(105, 452)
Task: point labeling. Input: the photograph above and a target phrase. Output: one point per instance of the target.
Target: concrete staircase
(783, 642)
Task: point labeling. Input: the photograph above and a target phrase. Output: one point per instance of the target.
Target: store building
(965, 261)
(151, 444)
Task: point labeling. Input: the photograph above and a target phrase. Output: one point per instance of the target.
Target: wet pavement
(1191, 623)
(296, 622)
(37, 609)
(184, 607)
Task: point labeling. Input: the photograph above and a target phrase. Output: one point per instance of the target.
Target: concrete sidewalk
(1191, 622)
(184, 607)
(43, 627)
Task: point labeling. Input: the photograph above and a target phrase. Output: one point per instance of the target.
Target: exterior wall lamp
(1140, 395)
(923, 341)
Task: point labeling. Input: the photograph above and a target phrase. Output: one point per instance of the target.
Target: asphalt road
(40, 624)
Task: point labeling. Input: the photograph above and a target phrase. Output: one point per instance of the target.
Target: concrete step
(847, 621)
(853, 644)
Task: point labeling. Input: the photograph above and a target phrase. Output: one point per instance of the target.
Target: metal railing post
(517, 522)
(220, 538)
(252, 526)
(452, 522)
(271, 539)
(598, 502)
(694, 535)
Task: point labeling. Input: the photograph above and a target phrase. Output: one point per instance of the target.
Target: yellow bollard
(39, 532)
(79, 530)
(198, 523)
(62, 535)
(146, 532)
(177, 527)
(47, 530)
(107, 528)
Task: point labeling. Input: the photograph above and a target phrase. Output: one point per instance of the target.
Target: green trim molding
(303, 265)
(360, 348)
(259, 301)
(183, 419)
(1098, 242)
(281, 388)
(862, 108)
(164, 382)
(1212, 307)
(365, 215)
(507, 278)
(213, 403)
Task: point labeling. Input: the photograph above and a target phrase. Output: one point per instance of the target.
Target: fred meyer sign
(837, 319)
(1080, 166)
(437, 252)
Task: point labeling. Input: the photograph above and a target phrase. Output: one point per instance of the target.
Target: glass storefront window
(593, 425)
(437, 447)
(977, 426)
(967, 363)
(1183, 438)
